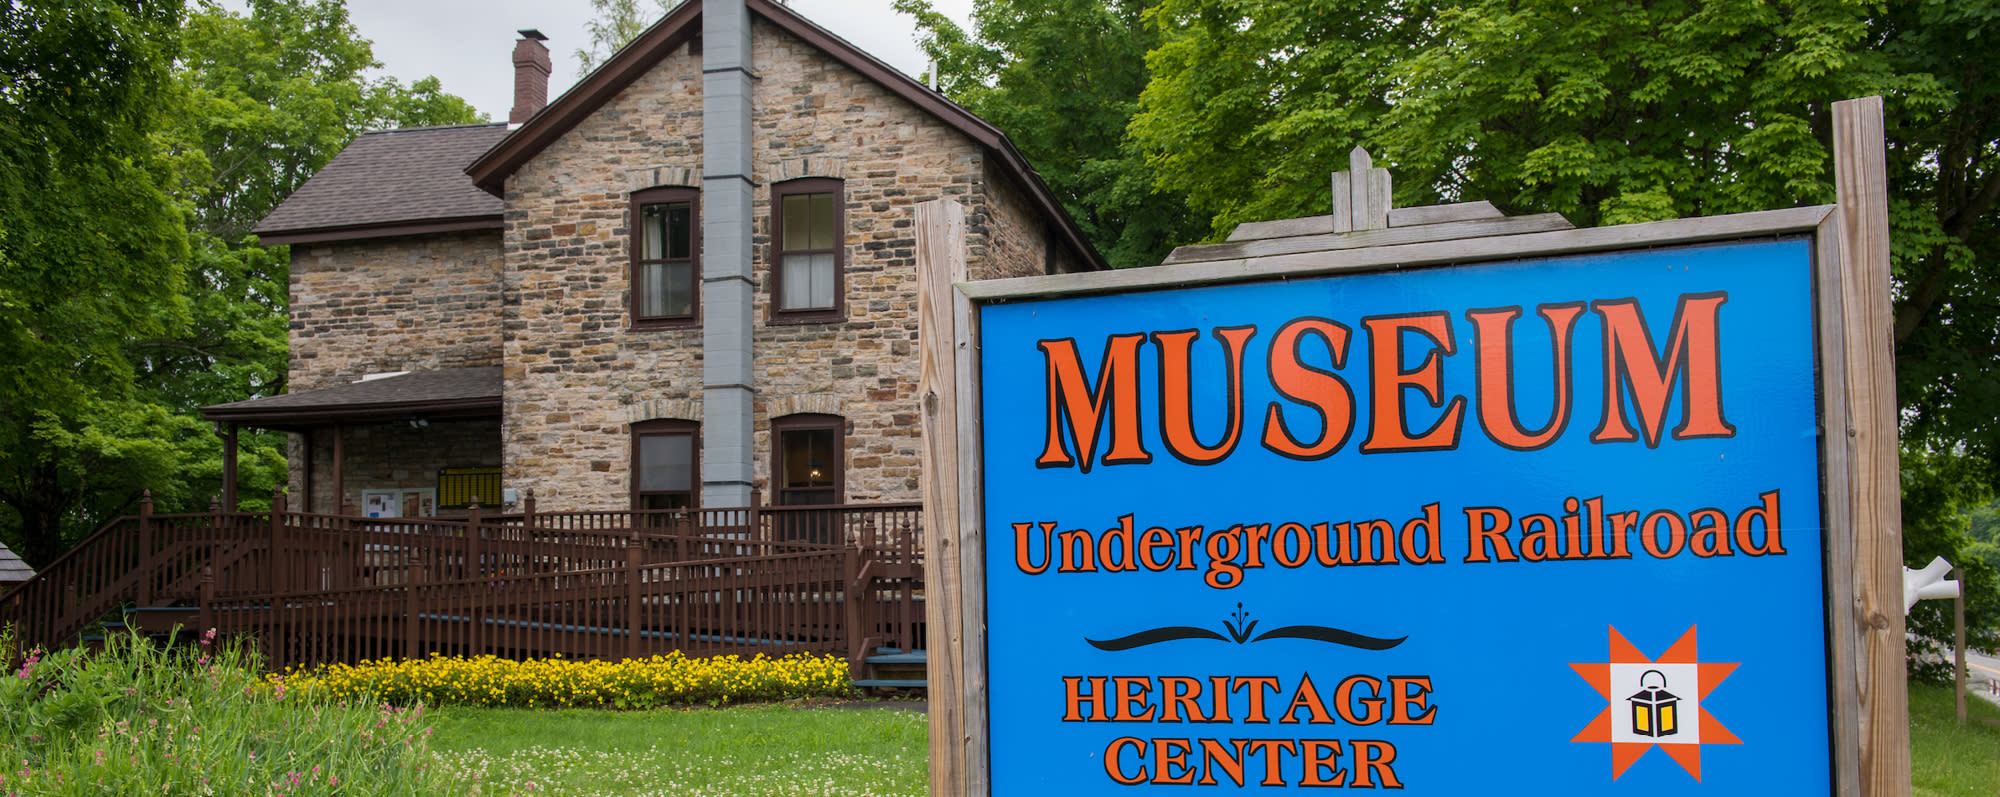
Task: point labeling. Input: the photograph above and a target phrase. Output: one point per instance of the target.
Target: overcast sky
(468, 44)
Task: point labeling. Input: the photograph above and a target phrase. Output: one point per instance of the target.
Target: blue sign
(1545, 526)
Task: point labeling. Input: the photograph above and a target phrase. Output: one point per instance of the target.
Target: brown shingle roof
(12, 569)
(392, 182)
(449, 391)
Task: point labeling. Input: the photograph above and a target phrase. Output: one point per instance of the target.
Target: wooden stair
(157, 623)
(889, 668)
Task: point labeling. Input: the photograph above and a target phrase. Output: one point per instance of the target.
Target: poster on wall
(1550, 525)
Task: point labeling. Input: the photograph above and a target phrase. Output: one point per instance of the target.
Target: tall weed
(195, 720)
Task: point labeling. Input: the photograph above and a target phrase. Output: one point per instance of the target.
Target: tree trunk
(41, 510)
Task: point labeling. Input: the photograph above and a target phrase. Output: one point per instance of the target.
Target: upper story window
(808, 251)
(666, 269)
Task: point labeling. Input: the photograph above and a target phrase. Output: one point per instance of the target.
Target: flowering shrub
(669, 680)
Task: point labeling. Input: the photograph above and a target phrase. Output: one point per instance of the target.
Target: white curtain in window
(667, 289)
(653, 283)
(808, 282)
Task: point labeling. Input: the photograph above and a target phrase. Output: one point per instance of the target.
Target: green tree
(270, 96)
(1251, 104)
(1614, 113)
(1935, 488)
(1944, 172)
(274, 94)
(1985, 524)
(1062, 78)
(92, 248)
(616, 24)
(1607, 113)
(138, 145)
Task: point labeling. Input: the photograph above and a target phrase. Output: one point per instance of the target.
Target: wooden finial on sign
(1360, 195)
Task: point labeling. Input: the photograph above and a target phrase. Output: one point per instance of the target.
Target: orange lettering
(1170, 753)
(1372, 759)
(1409, 691)
(1117, 392)
(1693, 358)
(1115, 768)
(1321, 755)
(1493, 338)
(1313, 387)
(1021, 559)
(1269, 748)
(1177, 393)
(1220, 757)
(1344, 700)
(1489, 525)
(1076, 699)
(1388, 428)
(1773, 539)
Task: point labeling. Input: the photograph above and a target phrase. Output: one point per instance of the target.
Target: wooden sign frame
(1860, 498)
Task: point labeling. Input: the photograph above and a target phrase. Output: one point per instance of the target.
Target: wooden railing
(776, 604)
(324, 588)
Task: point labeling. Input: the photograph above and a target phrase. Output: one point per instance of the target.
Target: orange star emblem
(1655, 703)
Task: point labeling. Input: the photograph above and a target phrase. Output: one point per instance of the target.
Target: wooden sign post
(1428, 499)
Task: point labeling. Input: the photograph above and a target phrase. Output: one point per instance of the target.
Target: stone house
(689, 277)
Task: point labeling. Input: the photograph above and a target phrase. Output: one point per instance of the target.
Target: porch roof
(449, 392)
(12, 569)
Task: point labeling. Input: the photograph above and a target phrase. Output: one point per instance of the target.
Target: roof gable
(682, 25)
(391, 182)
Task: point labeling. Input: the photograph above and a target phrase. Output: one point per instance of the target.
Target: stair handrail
(51, 598)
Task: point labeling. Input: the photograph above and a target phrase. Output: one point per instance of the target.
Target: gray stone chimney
(531, 76)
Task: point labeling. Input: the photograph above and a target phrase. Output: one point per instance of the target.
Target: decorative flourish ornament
(1240, 627)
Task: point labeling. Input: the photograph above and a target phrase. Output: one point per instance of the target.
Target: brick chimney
(531, 76)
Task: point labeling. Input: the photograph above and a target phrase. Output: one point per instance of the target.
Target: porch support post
(635, 555)
(339, 470)
(306, 472)
(852, 614)
(273, 545)
(206, 597)
(474, 529)
(413, 575)
(228, 432)
(144, 564)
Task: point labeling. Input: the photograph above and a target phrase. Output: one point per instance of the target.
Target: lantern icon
(1653, 708)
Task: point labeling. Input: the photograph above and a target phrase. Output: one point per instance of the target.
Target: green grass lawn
(788, 750)
(751, 750)
(1947, 758)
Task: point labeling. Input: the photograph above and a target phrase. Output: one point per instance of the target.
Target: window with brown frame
(808, 459)
(666, 465)
(666, 257)
(808, 251)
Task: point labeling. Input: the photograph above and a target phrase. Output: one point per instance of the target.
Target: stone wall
(399, 304)
(574, 370)
(577, 376)
(891, 155)
(1016, 242)
(395, 455)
